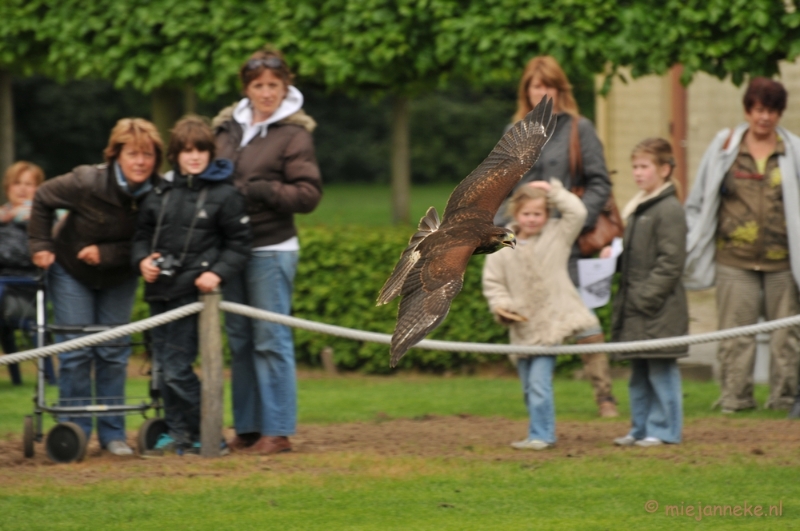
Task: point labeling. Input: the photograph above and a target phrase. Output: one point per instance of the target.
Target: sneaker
(223, 448)
(119, 448)
(649, 441)
(164, 445)
(531, 444)
(628, 440)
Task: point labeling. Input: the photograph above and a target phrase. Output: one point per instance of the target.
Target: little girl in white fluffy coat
(529, 289)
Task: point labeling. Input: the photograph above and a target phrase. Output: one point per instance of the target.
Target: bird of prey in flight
(430, 272)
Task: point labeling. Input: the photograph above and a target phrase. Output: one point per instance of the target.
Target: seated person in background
(20, 183)
(192, 235)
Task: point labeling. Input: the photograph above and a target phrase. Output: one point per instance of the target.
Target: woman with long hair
(574, 156)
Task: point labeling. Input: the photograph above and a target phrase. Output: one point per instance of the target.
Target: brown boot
(608, 409)
(243, 441)
(268, 445)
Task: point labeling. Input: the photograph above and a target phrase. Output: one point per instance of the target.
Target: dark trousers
(174, 347)
(9, 346)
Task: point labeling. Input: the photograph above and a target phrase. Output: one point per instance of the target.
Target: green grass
(438, 495)
(370, 204)
(359, 398)
(341, 490)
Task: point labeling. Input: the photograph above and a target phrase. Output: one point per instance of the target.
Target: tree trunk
(6, 126)
(401, 162)
(167, 109)
(189, 100)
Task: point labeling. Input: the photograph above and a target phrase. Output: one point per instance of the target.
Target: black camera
(168, 266)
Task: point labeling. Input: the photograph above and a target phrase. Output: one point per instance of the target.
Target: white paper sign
(595, 274)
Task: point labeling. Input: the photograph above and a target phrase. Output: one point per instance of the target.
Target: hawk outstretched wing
(430, 272)
(485, 189)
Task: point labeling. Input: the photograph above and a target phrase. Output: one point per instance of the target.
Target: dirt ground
(460, 437)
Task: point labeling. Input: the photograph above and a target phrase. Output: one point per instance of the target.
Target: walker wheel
(28, 437)
(149, 434)
(66, 443)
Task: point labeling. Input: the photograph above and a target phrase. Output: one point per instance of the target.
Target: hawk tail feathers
(427, 224)
(391, 289)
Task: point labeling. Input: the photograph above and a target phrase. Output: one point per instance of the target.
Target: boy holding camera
(192, 235)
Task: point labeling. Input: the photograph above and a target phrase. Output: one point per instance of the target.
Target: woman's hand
(605, 252)
(43, 259)
(149, 271)
(90, 254)
(207, 282)
(544, 185)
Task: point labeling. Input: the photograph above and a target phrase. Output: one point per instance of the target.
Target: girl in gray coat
(651, 302)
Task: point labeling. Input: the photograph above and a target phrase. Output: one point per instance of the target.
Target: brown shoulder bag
(609, 223)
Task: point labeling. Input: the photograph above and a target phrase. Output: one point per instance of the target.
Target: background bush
(340, 273)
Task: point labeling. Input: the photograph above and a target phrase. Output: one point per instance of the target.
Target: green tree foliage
(490, 41)
(719, 37)
(21, 49)
(392, 46)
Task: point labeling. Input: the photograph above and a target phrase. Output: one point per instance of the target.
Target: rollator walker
(66, 442)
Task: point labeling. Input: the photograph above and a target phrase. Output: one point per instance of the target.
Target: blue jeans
(536, 375)
(656, 399)
(76, 304)
(175, 350)
(263, 380)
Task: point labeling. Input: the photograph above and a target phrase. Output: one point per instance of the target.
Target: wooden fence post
(211, 406)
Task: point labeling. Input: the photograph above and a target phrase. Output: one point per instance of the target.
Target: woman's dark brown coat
(277, 174)
(100, 213)
(651, 301)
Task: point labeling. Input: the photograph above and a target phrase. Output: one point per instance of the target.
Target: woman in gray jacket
(651, 302)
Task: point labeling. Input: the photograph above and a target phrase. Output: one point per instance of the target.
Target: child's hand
(508, 317)
(207, 282)
(605, 252)
(544, 185)
(149, 271)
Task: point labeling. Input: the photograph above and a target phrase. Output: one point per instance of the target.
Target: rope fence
(107, 335)
(487, 348)
(376, 337)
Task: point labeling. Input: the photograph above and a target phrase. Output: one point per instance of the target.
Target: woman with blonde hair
(574, 156)
(19, 183)
(90, 277)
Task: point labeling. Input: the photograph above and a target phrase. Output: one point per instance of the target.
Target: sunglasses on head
(269, 62)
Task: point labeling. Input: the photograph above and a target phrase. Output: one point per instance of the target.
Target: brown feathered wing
(427, 292)
(485, 189)
(430, 272)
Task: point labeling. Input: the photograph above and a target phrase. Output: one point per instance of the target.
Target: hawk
(430, 272)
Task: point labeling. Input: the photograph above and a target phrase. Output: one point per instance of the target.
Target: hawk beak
(510, 241)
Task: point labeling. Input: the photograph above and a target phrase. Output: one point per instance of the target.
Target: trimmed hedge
(340, 273)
